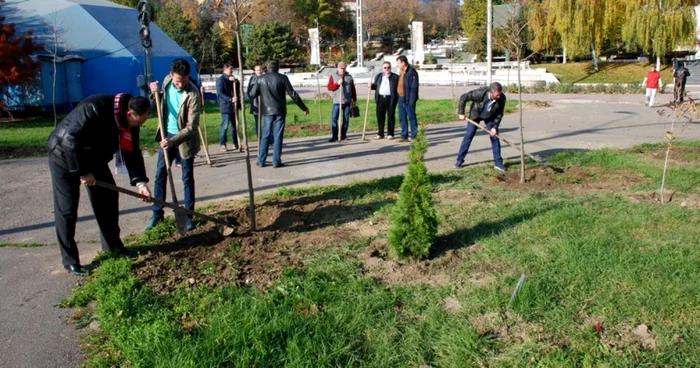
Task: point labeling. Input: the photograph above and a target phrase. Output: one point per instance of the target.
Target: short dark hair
(180, 67)
(495, 86)
(402, 59)
(227, 65)
(139, 105)
(273, 65)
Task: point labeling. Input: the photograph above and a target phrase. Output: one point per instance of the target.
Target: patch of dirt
(451, 305)
(508, 327)
(678, 155)
(570, 178)
(377, 264)
(536, 105)
(623, 336)
(287, 232)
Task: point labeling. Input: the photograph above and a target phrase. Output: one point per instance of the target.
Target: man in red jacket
(652, 82)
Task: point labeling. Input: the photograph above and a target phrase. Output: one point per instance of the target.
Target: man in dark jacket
(680, 76)
(386, 98)
(271, 87)
(488, 104)
(258, 69)
(80, 149)
(407, 90)
(226, 84)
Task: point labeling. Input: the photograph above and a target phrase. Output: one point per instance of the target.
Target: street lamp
(144, 17)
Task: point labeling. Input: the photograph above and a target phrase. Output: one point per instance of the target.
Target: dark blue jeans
(226, 120)
(467, 141)
(334, 121)
(161, 181)
(273, 128)
(407, 111)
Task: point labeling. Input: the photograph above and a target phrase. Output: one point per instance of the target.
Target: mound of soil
(287, 231)
(570, 178)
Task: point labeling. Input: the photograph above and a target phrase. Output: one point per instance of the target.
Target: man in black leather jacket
(488, 105)
(80, 149)
(272, 87)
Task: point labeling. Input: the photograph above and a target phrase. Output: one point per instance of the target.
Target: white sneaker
(389, 137)
(378, 137)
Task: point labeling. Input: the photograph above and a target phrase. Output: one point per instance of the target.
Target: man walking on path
(680, 76)
(349, 96)
(386, 98)
(652, 82)
(182, 104)
(228, 102)
(271, 87)
(488, 105)
(407, 90)
(80, 149)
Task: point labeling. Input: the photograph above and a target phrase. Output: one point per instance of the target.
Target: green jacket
(187, 139)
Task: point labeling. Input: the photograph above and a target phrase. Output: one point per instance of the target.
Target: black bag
(355, 112)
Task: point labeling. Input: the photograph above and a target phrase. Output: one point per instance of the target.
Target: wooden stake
(369, 94)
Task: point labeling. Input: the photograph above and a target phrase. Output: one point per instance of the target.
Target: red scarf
(125, 142)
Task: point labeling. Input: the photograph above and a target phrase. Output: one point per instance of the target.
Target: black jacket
(410, 86)
(479, 97)
(272, 87)
(88, 137)
(393, 84)
(224, 92)
(253, 100)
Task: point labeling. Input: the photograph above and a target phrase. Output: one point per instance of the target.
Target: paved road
(33, 331)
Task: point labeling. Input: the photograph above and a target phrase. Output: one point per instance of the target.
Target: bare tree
(680, 114)
(513, 38)
(55, 47)
(235, 13)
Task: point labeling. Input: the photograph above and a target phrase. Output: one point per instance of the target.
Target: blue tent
(102, 36)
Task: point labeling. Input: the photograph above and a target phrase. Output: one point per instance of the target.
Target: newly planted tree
(680, 114)
(513, 37)
(236, 13)
(414, 222)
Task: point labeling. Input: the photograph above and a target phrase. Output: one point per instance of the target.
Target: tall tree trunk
(595, 59)
(251, 190)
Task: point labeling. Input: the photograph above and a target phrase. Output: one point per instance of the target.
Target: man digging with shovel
(177, 131)
(80, 149)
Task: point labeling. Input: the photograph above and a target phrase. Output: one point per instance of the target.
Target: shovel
(180, 217)
(224, 228)
(510, 143)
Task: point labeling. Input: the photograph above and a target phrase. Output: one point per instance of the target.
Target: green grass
(587, 257)
(28, 137)
(607, 72)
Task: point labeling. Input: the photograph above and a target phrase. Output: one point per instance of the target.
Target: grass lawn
(28, 137)
(611, 276)
(607, 72)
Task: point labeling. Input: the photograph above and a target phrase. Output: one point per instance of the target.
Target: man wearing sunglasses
(386, 98)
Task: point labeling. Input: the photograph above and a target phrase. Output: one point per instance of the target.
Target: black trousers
(385, 109)
(66, 195)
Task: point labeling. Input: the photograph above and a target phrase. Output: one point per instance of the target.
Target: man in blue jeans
(488, 104)
(272, 87)
(182, 104)
(408, 96)
(340, 84)
(226, 84)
